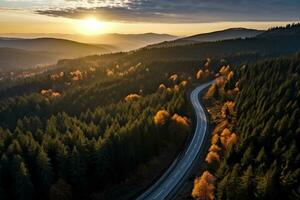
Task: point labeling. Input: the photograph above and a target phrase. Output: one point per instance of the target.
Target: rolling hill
(120, 113)
(232, 33)
(124, 42)
(11, 58)
(20, 53)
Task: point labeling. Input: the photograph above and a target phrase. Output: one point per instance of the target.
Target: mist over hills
(226, 34)
(11, 58)
(124, 42)
(29, 52)
(220, 43)
(23, 53)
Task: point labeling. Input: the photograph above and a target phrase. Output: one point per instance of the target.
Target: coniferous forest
(263, 162)
(108, 126)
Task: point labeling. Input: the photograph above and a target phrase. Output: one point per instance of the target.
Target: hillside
(44, 51)
(11, 58)
(238, 50)
(122, 42)
(227, 34)
(67, 47)
(107, 126)
(292, 30)
(255, 141)
(133, 41)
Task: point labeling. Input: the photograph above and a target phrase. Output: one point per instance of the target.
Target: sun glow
(90, 26)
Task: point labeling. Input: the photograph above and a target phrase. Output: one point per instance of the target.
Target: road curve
(175, 175)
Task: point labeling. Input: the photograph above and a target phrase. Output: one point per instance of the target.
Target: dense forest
(255, 144)
(105, 127)
(77, 131)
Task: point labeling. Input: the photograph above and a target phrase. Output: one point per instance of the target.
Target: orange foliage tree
(173, 77)
(181, 121)
(132, 97)
(161, 117)
(212, 156)
(228, 138)
(204, 187)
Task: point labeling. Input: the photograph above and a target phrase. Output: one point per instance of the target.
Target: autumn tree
(204, 187)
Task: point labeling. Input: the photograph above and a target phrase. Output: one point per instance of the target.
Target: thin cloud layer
(175, 11)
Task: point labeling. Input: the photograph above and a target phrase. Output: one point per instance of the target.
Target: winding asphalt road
(182, 165)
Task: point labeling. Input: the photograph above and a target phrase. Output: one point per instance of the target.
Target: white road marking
(168, 182)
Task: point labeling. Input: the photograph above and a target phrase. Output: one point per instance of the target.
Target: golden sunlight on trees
(161, 117)
(109, 72)
(227, 109)
(204, 187)
(211, 91)
(232, 139)
(76, 75)
(220, 127)
(55, 94)
(212, 156)
(181, 121)
(132, 97)
(184, 83)
(57, 76)
(207, 63)
(92, 69)
(220, 81)
(50, 93)
(214, 148)
(169, 90)
(215, 139)
(202, 74)
(228, 138)
(230, 75)
(176, 88)
(162, 87)
(173, 77)
(224, 70)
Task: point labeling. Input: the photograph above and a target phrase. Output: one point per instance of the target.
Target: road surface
(175, 175)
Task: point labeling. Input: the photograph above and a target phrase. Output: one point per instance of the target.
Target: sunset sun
(90, 26)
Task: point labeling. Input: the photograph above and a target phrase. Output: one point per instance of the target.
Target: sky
(178, 17)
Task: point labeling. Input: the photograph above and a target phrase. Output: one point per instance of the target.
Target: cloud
(176, 11)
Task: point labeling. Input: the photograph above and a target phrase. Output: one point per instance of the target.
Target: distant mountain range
(31, 52)
(124, 42)
(232, 33)
(11, 58)
(21, 53)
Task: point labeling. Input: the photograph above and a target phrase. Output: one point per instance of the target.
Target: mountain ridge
(226, 34)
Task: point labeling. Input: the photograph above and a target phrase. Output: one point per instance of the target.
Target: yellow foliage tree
(182, 121)
(230, 75)
(173, 77)
(184, 83)
(228, 138)
(214, 148)
(215, 139)
(161, 117)
(212, 156)
(204, 187)
(109, 72)
(211, 91)
(227, 109)
(162, 87)
(76, 75)
(224, 70)
(132, 97)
